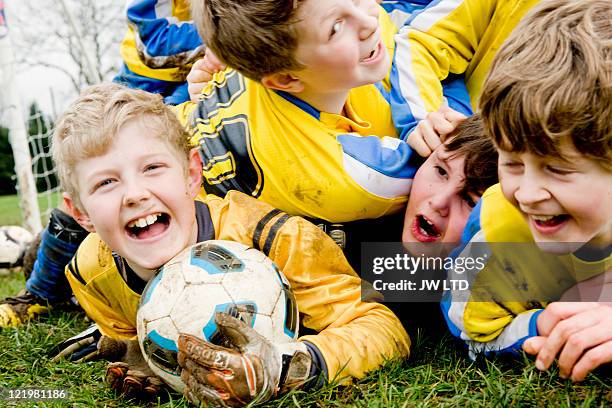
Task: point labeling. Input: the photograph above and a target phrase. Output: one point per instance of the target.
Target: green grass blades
(438, 373)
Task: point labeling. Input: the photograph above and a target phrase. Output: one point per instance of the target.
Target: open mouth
(424, 230)
(149, 226)
(549, 221)
(373, 54)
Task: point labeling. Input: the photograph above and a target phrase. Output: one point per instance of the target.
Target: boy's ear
(283, 81)
(194, 172)
(79, 216)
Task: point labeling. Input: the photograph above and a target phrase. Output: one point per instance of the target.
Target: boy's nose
(530, 191)
(368, 23)
(440, 202)
(135, 194)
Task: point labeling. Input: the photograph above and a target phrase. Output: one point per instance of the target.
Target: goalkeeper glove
(250, 370)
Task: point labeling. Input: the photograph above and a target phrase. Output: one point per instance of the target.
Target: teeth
(429, 222)
(144, 221)
(543, 218)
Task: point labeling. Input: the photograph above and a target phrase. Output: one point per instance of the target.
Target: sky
(50, 88)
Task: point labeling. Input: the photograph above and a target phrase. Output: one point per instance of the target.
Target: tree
(44, 37)
(7, 164)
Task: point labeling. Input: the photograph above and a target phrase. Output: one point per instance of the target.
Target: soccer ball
(14, 241)
(211, 277)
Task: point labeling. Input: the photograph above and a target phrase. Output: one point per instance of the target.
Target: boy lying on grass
(547, 228)
(129, 176)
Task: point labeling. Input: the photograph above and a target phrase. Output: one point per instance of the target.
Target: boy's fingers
(194, 91)
(211, 59)
(152, 387)
(441, 125)
(197, 392)
(533, 345)
(132, 386)
(560, 334)
(199, 76)
(115, 373)
(205, 353)
(416, 142)
(431, 137)
(592, 359)
(579, 342)
(452, 115)
(557, 311)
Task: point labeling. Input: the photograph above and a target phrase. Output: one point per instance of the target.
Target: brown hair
(551, 82)
(89, 126)
(255, 37)
(480, 164)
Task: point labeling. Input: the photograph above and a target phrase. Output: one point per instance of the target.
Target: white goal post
(18, 135)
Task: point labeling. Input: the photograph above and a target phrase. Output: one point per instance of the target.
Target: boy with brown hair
(547, 228)
(300, 117)
(131, 180)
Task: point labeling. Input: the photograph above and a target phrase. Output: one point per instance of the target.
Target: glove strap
(296, 364)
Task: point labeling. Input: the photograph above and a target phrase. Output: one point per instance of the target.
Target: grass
(437, 374)
(10, 213)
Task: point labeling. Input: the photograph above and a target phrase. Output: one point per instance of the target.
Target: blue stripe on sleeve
(398, 161)
(456, 94)
(159, 35)
(174, 92)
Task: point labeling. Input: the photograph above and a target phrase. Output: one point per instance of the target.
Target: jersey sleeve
(432, 49)
(91, 260)
(485, 324)
(354, 335)
(159, 48)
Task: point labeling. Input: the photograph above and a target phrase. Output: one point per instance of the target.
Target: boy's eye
(559, 171)
(441, 171)
(103, 183)
(335, 28)
(511, 165)
(151, 167)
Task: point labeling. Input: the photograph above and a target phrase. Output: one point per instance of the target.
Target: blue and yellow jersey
(354, 336)
(159, 48)
(499, 311)
(275, 147)
(446, 39)
(400, 11)
(162, 43)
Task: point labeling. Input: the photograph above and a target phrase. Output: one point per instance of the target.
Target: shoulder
(500, 220)
(92, 259)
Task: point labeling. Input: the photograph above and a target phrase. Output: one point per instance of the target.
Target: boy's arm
(355, 336)
(161, 42)
(160, 45)
(436, 43)
(327, 290)
(473, 315)
(86, 264)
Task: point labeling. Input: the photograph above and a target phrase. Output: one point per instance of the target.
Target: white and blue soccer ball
(14, 241)
(211, 277)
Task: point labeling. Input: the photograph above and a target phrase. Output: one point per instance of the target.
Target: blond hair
(551, 82)
(256, 38)
(89, 126)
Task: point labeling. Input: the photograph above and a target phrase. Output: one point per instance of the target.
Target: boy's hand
(128, 374)
(432, 131)
(82, 347)
(250, 370)
(201, 72)
(131, 375)
(580, 334)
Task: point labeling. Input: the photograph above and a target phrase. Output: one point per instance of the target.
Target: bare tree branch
(46, 39)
